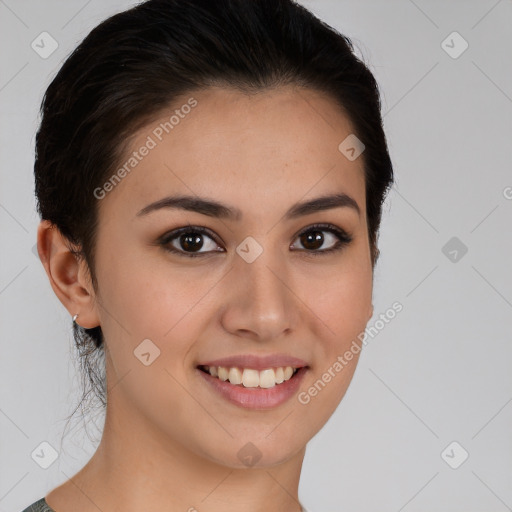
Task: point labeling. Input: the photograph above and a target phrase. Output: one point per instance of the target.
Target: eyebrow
(213, 208)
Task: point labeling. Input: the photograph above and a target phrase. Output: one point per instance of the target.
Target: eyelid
(325, 226)
(169, 236)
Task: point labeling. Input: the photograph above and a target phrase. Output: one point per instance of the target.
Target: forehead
(255, 152)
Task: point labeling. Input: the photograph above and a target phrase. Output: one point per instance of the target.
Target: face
(262, 281)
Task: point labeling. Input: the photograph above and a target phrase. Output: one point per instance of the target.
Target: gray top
(42, 506)
(39, 506)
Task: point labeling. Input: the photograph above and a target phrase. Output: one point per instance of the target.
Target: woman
(210, 176)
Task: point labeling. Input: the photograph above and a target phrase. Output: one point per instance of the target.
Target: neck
(137, 467)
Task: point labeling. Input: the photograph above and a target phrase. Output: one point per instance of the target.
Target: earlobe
(67, 274)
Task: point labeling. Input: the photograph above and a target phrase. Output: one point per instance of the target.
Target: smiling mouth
(249, 377)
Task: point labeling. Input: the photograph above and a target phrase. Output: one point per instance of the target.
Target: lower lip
(256, 398)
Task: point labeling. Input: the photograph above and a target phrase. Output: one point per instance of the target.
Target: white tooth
(223, 373)
(251, 378)
(267, 378)
(235, 376)
(279, 375)
(288, 372)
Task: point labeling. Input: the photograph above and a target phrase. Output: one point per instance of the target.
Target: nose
(262, 303)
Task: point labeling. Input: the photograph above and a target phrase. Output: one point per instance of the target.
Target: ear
(69, 278)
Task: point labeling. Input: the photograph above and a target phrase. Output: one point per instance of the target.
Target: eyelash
(343, 239)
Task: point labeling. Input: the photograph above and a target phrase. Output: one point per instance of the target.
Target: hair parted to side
(140, 61)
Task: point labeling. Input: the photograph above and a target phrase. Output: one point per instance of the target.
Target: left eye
(313, 238)
(191, 238)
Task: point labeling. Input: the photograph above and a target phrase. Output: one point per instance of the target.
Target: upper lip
(256, 362)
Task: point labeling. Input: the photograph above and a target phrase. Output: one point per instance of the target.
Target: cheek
(341, 308)
(146, 296)
(341, 300)
(146, 321)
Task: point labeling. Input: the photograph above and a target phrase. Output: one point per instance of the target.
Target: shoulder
(39, 506)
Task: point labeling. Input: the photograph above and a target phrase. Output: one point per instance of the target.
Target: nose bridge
(262, 300)
(265, 278)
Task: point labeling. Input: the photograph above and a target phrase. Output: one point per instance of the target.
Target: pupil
(187, 242)
(315, 238)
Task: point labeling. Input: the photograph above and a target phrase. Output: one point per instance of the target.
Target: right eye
(189, 238)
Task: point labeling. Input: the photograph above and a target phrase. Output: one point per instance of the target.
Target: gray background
(438, 372)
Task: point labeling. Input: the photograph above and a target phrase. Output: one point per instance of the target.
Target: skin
(170, 442)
